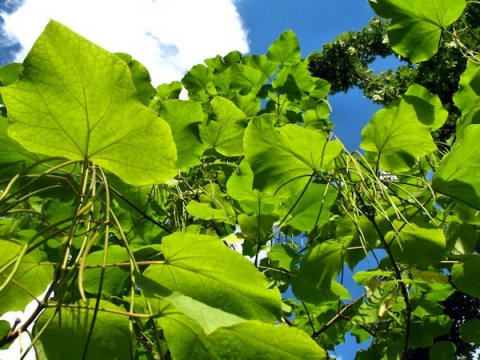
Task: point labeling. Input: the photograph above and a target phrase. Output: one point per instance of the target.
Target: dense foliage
(125, 203)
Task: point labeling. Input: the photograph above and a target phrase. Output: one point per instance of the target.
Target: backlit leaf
(67, 333)
(459, 173)
(401, 134)
(199, 265)
(279, 155)
(417, 24)
(28, 280)
(84, 105)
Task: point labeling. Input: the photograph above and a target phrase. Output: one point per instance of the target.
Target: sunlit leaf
(312, 207)
(199, 265)
(257, 340)
(279, 156)
(317, 269)
(417, 243)
(23, 283)
(141, 79)
(285, 50)
(114, 277)
(224, 131)
(417, 24)
(184, 118)
(459, 173)
(83, 105)
(401, 134)
(209, 318)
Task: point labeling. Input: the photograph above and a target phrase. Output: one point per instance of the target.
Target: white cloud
(167, 36)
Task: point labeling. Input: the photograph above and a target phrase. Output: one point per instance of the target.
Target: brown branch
(337, 317)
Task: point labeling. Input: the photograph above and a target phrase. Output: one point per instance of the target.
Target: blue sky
(170, 38)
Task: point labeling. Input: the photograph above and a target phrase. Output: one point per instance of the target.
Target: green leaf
(141, 79)
(262, 63)
(459, 173)
(199, 83)
(245, 79)
(286, 156)
(417, 24)
(205, 211)
(209, 318)
(285, 50)
(294, 81)
(4, 330)
(185, 338)
(417, 243)
(199, 266)
(68, 331)
(169, 91)
(251, 201)
(11, 152)
(114, 276)
(257, 340)
(468, 88)
(78, 101)
(283, 256)
(184, 118)
(312, 208)
(214, 205)
(466, 273)
(9, 73)
(443, 350)
(399, 135)
(20, 285)
(317, 269)
(470, 331)
(423, 332)
(224, 131)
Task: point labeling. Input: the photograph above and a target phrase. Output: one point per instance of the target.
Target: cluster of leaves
(120, 204)
(346, 61)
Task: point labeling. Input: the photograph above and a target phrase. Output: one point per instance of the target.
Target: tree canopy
(131, 213)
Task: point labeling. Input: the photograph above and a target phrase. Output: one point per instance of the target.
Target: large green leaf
(257, 340)
(417, 243)
(285, 50)
(312, 207)
(184, 118)
(67, 333)
(76, 100)
(466, 273)
(209, 318)
(417, 24)
(199, 266)
(141, 79)
(318, 268)
(10, 151)
(184, 336)
(246, 340)
(251, 201)
(224, 130)
(468, 88)
(459, 172)
(399, 135)
(114, 277)
(279, 155)
(28, 280)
